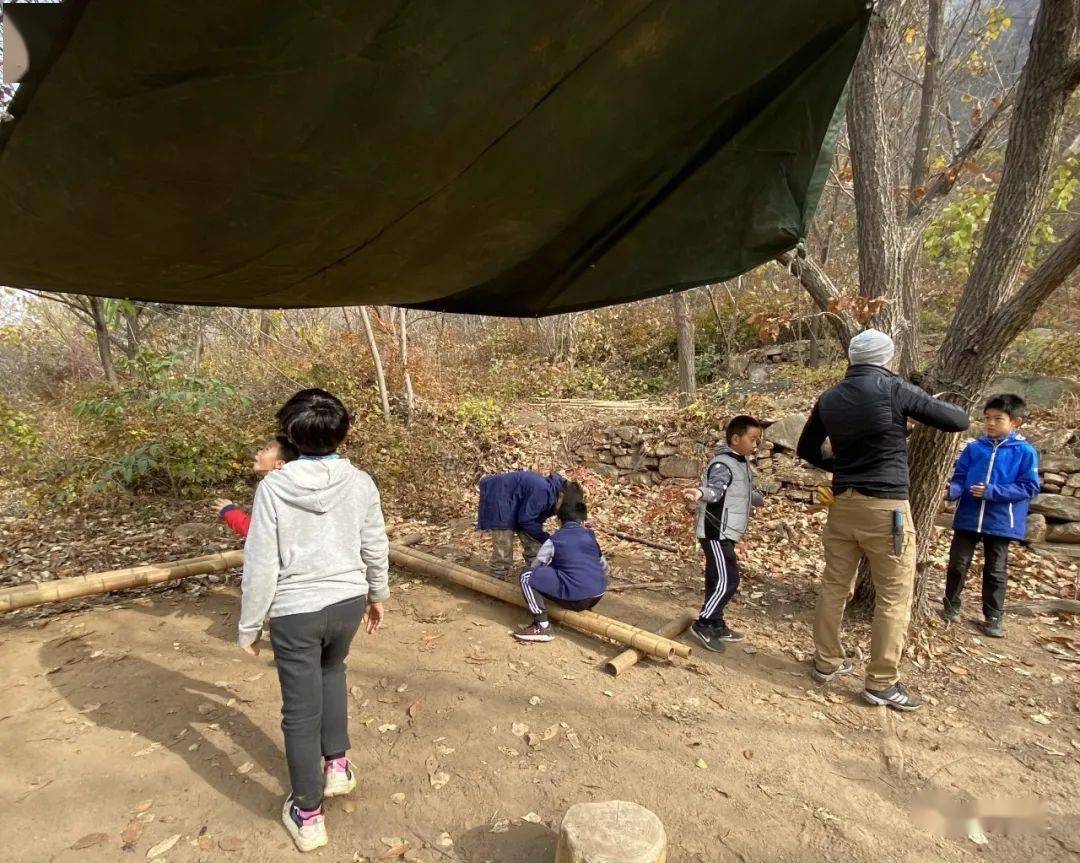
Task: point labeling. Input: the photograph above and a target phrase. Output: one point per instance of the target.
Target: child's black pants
(995, 570)
(721, 579)
(310, 651)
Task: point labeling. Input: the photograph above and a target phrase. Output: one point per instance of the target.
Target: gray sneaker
(843, 668)
(896, 697)
(994, 627)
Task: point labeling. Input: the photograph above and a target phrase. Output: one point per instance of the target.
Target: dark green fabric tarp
(496, 157)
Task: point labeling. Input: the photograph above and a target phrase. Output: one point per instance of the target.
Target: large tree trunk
(884, 247)
(380, 376)
(991, 313)
(103, 339)
(684, 337)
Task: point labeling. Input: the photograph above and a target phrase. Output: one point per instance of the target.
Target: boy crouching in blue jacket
(569, 569)
(995, 477)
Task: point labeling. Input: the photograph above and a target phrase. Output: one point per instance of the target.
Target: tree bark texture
(684, 337)
(102, 338)
(380, 376)
(991, 311)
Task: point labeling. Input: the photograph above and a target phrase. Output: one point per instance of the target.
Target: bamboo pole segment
(587, 621)
(671, 629)
(27, 595)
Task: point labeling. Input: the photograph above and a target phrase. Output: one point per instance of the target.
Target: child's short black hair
(572, 507)
(315, 421)
(286, 448)
(740, 425)
(1010, 404)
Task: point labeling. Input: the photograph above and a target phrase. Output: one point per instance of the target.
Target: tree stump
(611, 832)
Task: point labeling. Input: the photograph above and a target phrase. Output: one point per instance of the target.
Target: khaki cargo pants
(502, 551)
(860, 525)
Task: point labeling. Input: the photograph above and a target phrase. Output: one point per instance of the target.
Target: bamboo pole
(587, 621)
(671, 629)
(27, 595)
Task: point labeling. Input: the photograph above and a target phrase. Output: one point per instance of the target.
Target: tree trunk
(102, 338)
(823, 292)
(991, 313)
(684, 337)
(380, 377)
(925, 126)
(265, 328)
(410, 401)
(884, 249)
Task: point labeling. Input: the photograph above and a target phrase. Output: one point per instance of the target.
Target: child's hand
(253, 648)
(977, 490)
(221, 503)
(692, 495)
(373, 617)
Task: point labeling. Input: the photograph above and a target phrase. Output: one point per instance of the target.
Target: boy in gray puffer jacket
(724, 500)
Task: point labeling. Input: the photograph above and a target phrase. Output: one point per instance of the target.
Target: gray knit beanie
(870, 347)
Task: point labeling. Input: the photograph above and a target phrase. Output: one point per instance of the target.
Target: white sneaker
(338, 781)
(307, 833)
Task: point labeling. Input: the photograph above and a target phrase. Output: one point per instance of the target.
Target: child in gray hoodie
(316, 561)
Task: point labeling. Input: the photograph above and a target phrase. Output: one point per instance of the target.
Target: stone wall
(636, 455)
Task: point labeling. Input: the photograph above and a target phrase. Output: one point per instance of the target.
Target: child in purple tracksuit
(995, 478)
(569, 569)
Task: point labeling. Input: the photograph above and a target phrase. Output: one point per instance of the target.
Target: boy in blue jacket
(569, 569)
(995, 477)
(518, 502)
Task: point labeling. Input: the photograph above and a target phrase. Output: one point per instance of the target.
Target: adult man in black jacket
(865, 418)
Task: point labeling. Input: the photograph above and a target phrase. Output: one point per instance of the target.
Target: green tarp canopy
(493, 156)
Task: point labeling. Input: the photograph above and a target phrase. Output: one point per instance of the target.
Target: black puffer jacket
(865, 419)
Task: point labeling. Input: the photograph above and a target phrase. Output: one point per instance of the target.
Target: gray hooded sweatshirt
(317, 537)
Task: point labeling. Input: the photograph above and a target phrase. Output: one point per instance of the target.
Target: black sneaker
(722, 632)
(994, 627)
(843, 668)
(949, 613)
(896, 697)
(535, 632)
(707, 636)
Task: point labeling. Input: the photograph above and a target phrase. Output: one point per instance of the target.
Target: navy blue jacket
(1009, 469)
(521, 500)
(574, 554)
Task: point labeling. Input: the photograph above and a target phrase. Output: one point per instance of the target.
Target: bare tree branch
(822, 290)
(920, 212)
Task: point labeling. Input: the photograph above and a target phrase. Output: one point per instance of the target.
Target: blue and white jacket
(1009, 468)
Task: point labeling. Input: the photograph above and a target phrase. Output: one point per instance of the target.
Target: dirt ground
(127, 721)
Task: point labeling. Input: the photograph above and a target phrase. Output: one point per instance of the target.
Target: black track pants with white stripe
(721, 578)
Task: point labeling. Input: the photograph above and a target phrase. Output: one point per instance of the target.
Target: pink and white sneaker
(338, 778)
(307, 829)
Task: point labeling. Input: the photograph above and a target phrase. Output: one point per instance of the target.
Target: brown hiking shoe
(535, 632)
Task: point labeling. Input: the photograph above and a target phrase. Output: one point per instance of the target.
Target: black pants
(995, 570)
(721, 579)
(310, 651)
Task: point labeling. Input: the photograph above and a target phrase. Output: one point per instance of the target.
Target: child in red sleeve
(276, 454)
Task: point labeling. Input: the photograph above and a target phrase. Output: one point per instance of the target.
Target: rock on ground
(612, 831)
(785, 431)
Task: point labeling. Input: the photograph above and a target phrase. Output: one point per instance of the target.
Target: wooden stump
(611, 832)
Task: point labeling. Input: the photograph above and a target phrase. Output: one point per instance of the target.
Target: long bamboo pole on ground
(27, 595)
(587, 621)
(671, 629)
